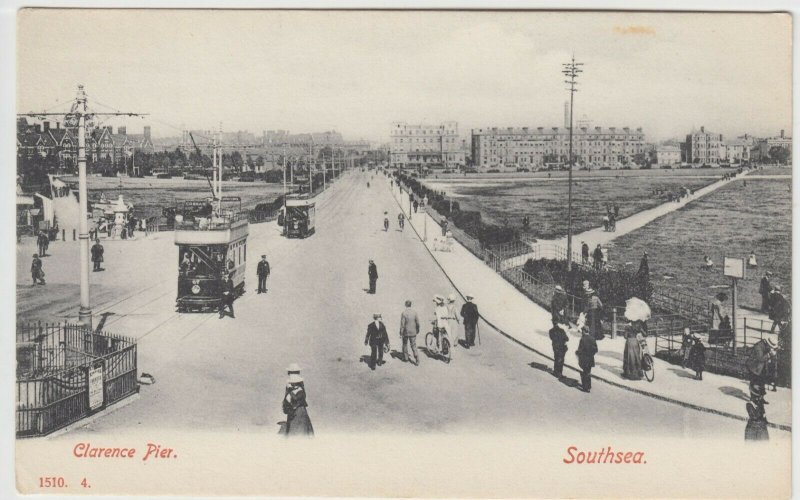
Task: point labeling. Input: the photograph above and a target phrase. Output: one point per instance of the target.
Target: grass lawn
(731, 221)
(545, 200)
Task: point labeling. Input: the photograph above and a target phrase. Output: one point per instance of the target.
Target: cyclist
(442, 315)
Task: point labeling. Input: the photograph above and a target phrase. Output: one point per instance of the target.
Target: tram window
(240, 255)
(245, 253)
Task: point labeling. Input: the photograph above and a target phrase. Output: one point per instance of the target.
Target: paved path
(230, 373)
(528, 323)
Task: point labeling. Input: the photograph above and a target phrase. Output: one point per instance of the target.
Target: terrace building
(432, 146)
(529, 148)
(703, 147)
(735, 151)
(668, 155)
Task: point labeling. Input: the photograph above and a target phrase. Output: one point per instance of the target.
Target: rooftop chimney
(702, 129)
(38, 128)
(781, 132)
(47, 127)
(58, 125)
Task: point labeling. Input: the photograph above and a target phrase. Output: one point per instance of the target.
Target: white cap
(293, 368)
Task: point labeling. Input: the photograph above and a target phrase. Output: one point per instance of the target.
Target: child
(697, 357)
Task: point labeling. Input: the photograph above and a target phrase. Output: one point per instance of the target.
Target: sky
(358, 71)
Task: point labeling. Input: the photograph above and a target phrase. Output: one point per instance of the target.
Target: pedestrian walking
(372, 271)
(752, 263)
(295, 406)
(452, 319)
(716, 309)
(587, 348)
(764, 290)
(687, 340)
(632, 357)
(697, 357)
(416, 206)
(584, 253)
(778, 307)
(598, 258)
(470, 315)
(263, 273)
(409, 329)
(385, 223)
(644, 267)
(758, 367)
(41, 240)
(97, 256)
(444, 227)
(558, 305)
(227, 296)
(36, 270)
(376, 339)
(401, 219)
(616, 211)
(559, 339)
(594, 311)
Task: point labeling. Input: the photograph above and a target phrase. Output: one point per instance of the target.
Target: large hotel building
(415, 146)
(534, 148)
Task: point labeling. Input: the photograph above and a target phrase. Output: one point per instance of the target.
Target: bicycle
(440, 348)
(648, 367)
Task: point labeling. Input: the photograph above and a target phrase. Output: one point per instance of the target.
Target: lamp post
(571, 70)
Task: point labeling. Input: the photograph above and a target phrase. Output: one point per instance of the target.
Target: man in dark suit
(263, 274)
(227, 295)
(376, 338)
(97, 255)
(469, 312)
(587, 348)
(559, 339)
(373, 276)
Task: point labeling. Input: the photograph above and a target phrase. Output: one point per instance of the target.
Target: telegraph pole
(78, 114)
(571, 70)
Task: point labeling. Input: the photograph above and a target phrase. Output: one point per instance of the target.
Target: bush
(613, 287)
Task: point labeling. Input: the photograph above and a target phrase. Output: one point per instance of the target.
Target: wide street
(230, 373)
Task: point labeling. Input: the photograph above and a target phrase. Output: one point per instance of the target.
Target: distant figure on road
(778, 308)
(764, 290)
(295, 406)
(401, 220)
(558, 305)
(416, 206)
(367, 183)
(559, 339)
(376, 338)
(644, 267)
(616, 211)
(409, 329)
(263, 273)
(444, 227)
(708, 264)
(606, 222)
(385, 223)
(36, 270)
(469, 313)
(372, 271)
(751, 260)
(97, 255)
(41, 243)
(227, 296)
(584, 253)
(587, 348)
(525, 222)
(597, 255)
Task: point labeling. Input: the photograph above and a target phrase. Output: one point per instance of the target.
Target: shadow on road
(680, 373)
(735, 392)
(611, 354)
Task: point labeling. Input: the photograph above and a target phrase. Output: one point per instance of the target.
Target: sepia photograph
(403, 253)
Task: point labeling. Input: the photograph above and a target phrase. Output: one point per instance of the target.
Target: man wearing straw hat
(376, 338)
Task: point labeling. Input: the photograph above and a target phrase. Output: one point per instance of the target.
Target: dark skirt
(632, 359)
(299, 424)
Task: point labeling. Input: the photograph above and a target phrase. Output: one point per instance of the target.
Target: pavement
(527, 323)
(229, 374)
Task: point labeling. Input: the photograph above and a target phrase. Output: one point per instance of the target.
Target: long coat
(97, 252)
(632, 358)
(295, 406)
(373, 271)
(469, 311)
(263, 268)
(559, 339)
(376, 335)
(587, 348)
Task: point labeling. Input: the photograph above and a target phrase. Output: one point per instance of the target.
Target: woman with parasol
(637, 311)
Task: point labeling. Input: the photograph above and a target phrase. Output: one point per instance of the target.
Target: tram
(299, 217)
(212, 242)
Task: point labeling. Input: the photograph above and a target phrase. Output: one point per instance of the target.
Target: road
(229, 374)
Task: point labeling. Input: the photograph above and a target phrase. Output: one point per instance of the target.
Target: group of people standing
(773, 302)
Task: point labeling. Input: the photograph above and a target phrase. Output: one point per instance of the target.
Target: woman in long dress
(452, 322)
(632, 358)
(295, 406)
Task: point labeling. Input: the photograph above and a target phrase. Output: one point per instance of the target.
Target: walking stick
(478, 329)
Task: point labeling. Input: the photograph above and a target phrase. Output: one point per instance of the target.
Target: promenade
(230, 373)
(527, 323)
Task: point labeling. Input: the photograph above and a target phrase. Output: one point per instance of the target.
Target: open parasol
(637, 310)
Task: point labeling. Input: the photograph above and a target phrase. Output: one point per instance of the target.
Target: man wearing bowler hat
(376, 338)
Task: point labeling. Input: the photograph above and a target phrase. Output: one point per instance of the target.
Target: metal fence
(58, 365)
